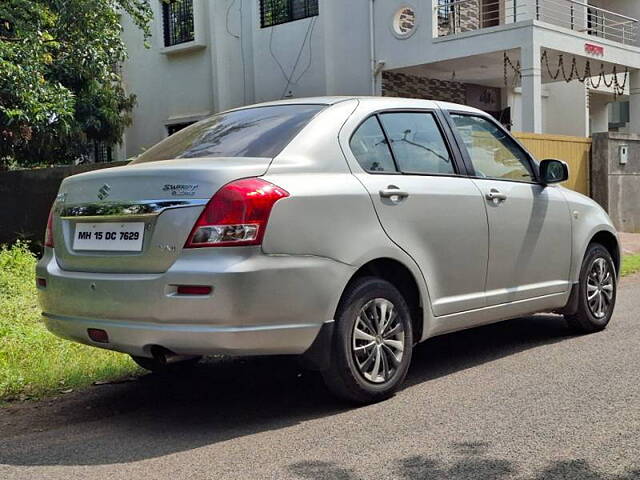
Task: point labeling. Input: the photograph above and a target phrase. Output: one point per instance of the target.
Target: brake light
(48, 235)
(236, 215)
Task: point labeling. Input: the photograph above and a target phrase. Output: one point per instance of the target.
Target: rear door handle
(496, 195)
(393, 191)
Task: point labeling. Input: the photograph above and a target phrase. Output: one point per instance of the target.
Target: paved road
(521, 399)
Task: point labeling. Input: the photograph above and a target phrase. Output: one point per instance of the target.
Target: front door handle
(393, 192)
(496, 195)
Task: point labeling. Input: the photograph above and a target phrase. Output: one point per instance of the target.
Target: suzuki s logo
(104, 191)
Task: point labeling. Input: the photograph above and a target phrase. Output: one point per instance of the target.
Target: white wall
(166, 86)
(565, 111)
(235, 63)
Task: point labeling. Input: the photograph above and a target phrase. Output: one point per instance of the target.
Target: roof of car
(398, 102)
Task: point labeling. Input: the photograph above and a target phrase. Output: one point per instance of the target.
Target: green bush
(33, 362)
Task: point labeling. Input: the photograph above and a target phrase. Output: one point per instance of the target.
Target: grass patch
(630, 265)
(33, 362)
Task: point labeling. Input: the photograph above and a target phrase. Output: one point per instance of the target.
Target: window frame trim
(459, 167)
(533, 164)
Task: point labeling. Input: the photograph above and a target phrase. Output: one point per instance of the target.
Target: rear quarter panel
(329, 213)
(331, 216)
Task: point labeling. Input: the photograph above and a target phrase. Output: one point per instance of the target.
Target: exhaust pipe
(164, 356)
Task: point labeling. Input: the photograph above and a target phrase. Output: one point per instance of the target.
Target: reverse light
(48, 235)
(236, 215)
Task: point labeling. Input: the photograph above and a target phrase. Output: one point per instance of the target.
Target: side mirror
(553, 171)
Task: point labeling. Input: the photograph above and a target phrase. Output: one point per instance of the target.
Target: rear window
(252, 132)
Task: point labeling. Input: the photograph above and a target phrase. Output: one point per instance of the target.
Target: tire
(159, 364)
(593, 315)
(367, 368)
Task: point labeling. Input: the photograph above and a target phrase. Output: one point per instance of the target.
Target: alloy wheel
(378, 341)
(600, 288)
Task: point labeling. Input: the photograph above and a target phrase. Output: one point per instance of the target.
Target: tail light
(236, 215)
(48, 235)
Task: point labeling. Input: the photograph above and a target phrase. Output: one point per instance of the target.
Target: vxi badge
(181, 189)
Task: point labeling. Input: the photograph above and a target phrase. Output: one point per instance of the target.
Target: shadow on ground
(226, 399)
(470, 461)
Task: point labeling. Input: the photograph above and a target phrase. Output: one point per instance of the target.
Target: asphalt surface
(520, 399)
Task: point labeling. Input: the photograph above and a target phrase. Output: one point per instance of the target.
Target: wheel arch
(400, 276)
(609, 241)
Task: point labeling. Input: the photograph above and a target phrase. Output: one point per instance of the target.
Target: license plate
(120, 237)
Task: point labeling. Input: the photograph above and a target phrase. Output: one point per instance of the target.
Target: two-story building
(545, 66)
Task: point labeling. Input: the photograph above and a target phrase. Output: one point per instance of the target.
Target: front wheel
(597, 291)
(372, 343)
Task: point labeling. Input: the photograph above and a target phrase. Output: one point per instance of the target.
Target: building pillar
(634, 101)
(598, 113)
(531, 89)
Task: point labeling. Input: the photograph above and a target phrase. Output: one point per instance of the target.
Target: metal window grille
(176, 127)
(275, 12)
(102, 153)
(445, 9)
(177, 16)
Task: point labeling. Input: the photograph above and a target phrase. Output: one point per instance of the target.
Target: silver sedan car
(343, 230)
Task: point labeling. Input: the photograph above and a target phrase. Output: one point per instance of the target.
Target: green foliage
(33, 362)
(60, 88)
(630, 265)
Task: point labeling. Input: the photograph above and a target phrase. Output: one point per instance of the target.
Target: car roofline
(334, 100)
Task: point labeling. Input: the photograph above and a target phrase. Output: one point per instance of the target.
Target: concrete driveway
(520, 399)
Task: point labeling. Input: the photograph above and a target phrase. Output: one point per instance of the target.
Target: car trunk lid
(149, 209)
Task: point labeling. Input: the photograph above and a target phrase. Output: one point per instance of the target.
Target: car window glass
(417, 143)
(250, 132)
(370, 148)
(494, 154)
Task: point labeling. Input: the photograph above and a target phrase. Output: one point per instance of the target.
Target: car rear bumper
(137, 338)
(260, 304)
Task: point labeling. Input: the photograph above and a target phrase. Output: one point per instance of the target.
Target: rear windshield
(252, 132)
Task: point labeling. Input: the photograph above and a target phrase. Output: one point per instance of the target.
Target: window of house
(177, 17)
(404, 22)
(417, 143)
(102, 152)
(493, 153)
(275, 12)
(176, 127)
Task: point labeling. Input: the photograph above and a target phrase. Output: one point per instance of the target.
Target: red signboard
(592, 49)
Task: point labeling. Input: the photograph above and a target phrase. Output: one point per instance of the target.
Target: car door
(529, 223)
(436, 215)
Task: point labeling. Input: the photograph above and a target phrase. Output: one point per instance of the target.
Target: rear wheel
(159, 364)
(372, 344)
(597, 291)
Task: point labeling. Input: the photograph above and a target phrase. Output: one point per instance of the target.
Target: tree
(60, 88)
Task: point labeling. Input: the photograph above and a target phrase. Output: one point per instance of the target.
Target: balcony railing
(456, 16)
